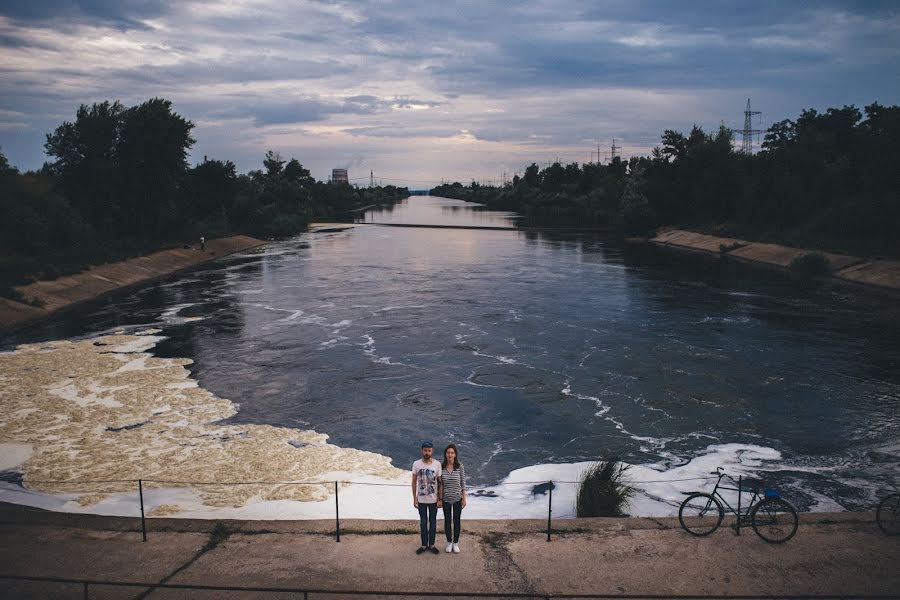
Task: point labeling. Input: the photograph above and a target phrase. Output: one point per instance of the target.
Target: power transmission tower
(371, 178)
(748, 131)
(613, 153)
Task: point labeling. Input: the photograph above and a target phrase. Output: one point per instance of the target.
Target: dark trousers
(452, 514)
(428, 523)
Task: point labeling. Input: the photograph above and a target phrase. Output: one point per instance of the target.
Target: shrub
(603, 491)
(811, 264)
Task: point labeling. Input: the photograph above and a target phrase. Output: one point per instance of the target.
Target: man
(426, 490)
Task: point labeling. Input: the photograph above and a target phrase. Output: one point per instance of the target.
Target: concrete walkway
(831, 555)
(72, 290)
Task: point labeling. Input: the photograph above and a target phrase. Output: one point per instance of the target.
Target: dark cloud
(532, 74)
(123, 14)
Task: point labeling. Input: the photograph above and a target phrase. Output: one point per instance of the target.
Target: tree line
(827, 179)
(118, 184)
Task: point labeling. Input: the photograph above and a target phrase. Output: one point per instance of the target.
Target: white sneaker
(449, 548)
(456, 548)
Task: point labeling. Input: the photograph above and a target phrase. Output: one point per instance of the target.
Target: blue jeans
(428, 523)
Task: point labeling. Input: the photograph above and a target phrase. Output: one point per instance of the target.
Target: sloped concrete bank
(881, 273)
(67, 292)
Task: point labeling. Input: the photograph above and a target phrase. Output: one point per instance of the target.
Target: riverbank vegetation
(604, 490)
(825, 180)
(118, 184)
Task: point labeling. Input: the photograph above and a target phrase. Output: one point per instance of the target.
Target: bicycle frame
(740, 516)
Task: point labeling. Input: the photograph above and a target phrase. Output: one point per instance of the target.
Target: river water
(530, 349)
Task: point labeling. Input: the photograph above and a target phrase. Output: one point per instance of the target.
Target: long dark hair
(455, 456)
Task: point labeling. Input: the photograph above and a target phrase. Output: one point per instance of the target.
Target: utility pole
(748, 132)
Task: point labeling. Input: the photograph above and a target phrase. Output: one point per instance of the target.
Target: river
(534, 351)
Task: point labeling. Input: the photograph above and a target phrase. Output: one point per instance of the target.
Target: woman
(453, 475)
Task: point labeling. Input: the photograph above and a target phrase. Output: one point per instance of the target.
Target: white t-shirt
(427, 476)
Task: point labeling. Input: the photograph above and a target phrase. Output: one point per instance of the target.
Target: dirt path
(72, 290)
(832, 555)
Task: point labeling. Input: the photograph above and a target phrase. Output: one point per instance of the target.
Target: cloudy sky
(418, 91)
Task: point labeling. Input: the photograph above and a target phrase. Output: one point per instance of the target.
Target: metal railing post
(143, 520)
(549, 510)
(337, 513)
(85, 590)
(740, 493)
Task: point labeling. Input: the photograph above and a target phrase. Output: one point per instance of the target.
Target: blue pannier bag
(772, 493)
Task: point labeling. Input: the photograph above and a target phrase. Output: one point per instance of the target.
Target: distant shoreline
(870, 272)
(71, 291)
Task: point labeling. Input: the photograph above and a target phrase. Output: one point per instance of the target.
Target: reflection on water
(432, 210)
(526, 348)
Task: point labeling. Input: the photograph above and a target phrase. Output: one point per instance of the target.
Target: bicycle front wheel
(700, 514)
(888, 514)
(774, 520)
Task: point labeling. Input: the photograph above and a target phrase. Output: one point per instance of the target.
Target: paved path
(842, 554)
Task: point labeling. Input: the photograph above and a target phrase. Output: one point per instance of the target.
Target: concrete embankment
(69, 291)
(875, 272)
(832, 555)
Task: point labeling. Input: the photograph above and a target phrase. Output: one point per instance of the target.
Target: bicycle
(771, 516)
(888, 514)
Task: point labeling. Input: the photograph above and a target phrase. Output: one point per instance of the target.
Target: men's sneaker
(434, 550)
(456, 548)
(449, 547)
(420, 550)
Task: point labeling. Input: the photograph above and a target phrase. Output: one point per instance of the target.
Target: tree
(5, 167)
(86, 161)
(152, 160)
(273, 164)
(295, 172)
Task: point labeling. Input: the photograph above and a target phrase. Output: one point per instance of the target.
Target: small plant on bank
(219, 534)
(811, 264)
(604, 491)
(726, 248)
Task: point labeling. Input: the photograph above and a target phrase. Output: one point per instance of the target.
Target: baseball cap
(427, 444)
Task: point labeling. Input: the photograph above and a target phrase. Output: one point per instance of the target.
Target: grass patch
(811, 264)
(604, 491)
(220, 533)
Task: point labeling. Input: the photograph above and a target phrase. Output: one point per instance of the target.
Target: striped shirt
(454, 484)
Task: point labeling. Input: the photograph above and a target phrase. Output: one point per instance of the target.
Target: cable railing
(541, 487)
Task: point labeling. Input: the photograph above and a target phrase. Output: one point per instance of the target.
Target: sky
(420, 92)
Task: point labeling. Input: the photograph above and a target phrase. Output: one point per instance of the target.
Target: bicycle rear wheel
(700, 514)
(774, 520)
(888, 514)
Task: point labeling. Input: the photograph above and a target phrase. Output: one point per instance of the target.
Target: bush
(603, 491)
(811, 264)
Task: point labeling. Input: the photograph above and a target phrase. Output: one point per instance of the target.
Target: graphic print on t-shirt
(426, 480)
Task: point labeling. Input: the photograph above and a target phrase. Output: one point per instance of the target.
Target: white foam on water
(153, 421)
(171, 315)
(522, 494)
(13, 456)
